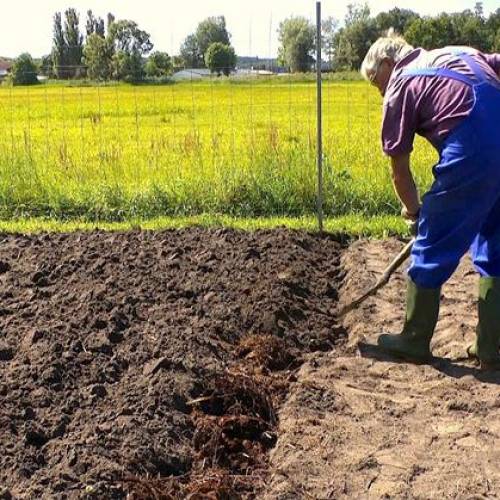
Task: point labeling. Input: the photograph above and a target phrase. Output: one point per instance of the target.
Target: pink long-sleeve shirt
(429, 106)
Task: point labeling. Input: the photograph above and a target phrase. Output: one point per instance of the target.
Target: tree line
(111, 49)
(120, 50)
(345, 45)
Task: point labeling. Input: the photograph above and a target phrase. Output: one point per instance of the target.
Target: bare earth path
(361, 425)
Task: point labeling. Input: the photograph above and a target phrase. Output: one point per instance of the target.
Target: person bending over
(450, 96)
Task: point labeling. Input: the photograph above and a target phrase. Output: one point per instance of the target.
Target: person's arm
(405, 187)
(399, 124)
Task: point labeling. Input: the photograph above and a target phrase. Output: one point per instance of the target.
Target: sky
(26, 25)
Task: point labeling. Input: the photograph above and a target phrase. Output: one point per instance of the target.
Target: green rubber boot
(486, 347)
(472, 349)
(422, 310)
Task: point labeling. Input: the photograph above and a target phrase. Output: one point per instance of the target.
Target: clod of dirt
(5, 494)
(98, 391)
(98, 342)
(156, 364)
(40, 279)
(35, 436)
(29, 413)
(32, 337)
(6, 352)
(154, 461)
(99, 324)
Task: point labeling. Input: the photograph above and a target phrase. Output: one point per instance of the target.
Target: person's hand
(412, 227)
(411, 220)
(410, 216)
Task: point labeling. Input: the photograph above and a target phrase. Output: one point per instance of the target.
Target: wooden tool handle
(394, 265)
(397, 262)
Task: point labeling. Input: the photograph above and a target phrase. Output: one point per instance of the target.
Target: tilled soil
(360, 424)
(154, 363)
(209, 364)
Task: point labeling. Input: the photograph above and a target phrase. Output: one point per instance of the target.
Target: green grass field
(240, 149)
(380, 226)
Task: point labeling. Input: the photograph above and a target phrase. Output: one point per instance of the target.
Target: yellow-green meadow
(241, 148)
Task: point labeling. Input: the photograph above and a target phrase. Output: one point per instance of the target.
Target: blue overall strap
(476, 69)
(447, 73)
(473, 65)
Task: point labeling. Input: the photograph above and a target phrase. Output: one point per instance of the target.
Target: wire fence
(195, 143)
(243, 145)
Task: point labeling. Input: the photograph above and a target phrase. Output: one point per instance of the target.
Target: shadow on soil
(443, 365)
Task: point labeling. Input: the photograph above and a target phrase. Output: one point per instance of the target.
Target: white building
(191, 74)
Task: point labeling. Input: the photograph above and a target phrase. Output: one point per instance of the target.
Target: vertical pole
(319, 117)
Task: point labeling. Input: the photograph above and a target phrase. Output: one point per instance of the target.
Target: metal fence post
(319, 117)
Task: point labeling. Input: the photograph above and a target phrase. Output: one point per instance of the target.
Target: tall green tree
(354, 39)
(47, 67)
(128, 37)
(24, 71)
(111, 19)
(59, 47)
(430, 33)
(128, 66)
(329, 27)
(98, 57)
(297, 42)
(159, 65)
(95, 25)
(399, 19)
(464, 28)
(74, 42)
(220, 58)
(130, 45)
(209, 31)
(212, 30)
(495, 46)
(470, 29)
(493, 29)
(191, 54)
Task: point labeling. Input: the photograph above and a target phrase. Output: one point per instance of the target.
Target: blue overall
(462, 208)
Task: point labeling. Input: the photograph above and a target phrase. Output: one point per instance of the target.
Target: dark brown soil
(153, 364)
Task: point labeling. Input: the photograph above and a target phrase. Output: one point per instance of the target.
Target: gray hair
(391, 46)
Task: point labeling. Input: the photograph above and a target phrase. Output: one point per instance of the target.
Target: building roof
(5, 65)
(191, 74)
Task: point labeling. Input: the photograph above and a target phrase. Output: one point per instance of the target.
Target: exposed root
(209, 484)
(267, 351)
(235, 393)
